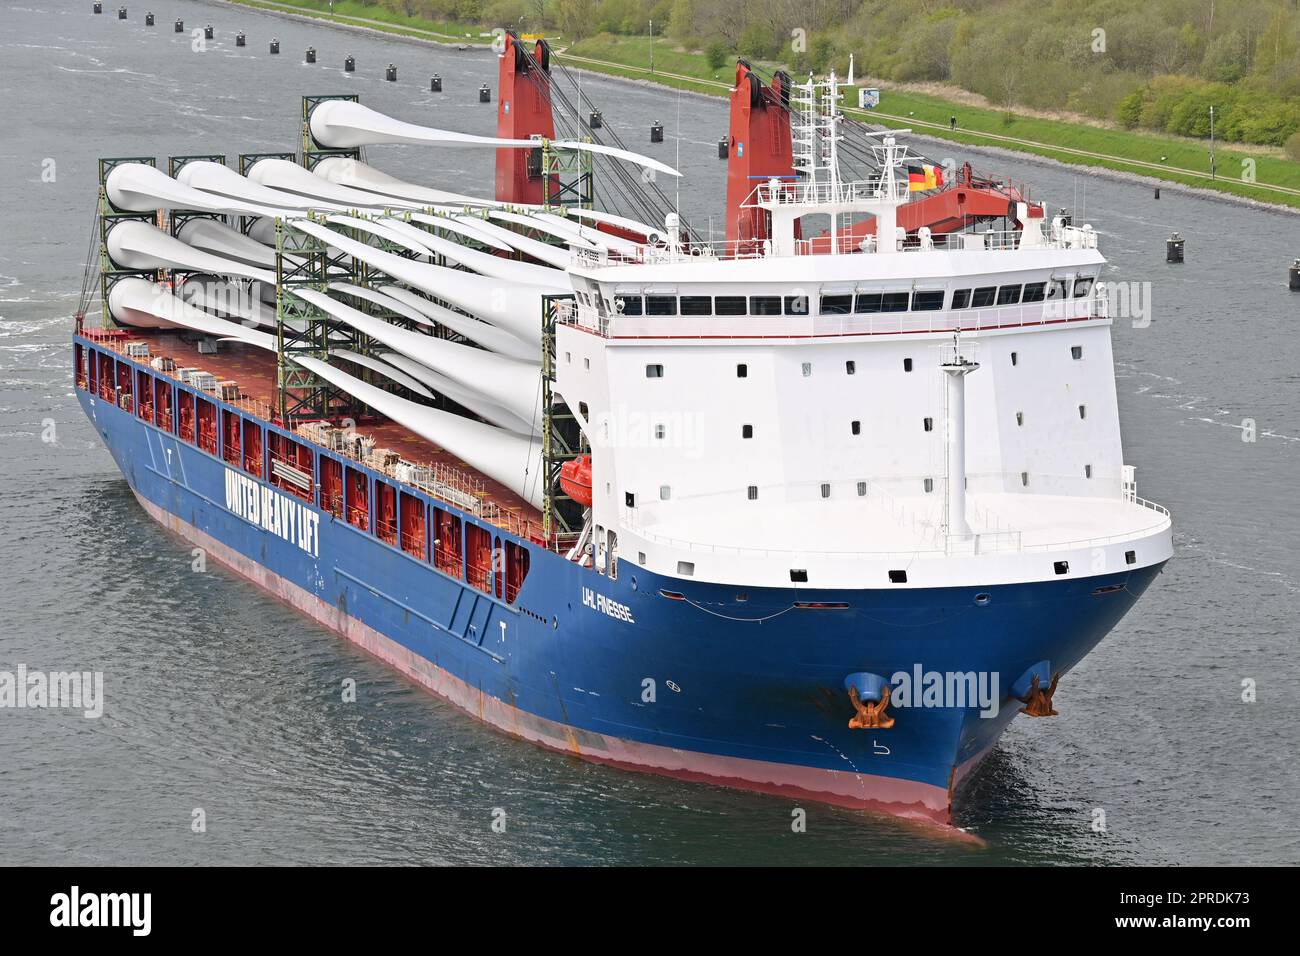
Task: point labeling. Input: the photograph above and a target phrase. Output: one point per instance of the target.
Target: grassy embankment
(1172, 159)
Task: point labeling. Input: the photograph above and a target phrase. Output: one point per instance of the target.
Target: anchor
(870, 715)
(1038, 702)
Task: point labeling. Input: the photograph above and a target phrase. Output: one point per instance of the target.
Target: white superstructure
(922, 413)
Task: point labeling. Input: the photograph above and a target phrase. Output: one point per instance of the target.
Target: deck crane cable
(620, 189)
(90, 273)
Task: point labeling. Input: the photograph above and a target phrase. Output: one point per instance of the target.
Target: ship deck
(254, 370)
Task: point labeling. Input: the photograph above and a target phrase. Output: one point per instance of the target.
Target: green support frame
(568, 178)
(312, 151)
(562, 438)
(108, 216)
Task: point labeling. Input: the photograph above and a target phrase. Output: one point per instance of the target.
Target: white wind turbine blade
(341, 124)
(138, 245)
(136, 187)
(220, 240)
(569, 235)
(516, 386)
(513, 306)
(557, 256)
(292, 178)
(384, 369)
(458, 393)
(224, 182)
(138, 301)
(358, 175)
(513, 460)
(488, 336)
(467, 226)
(487, 264)
(651, 233)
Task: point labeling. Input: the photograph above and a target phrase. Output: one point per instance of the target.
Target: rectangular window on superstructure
(654, 371)
(1009, 295)
(697, 305)
(1034, 292)
(729, 305)
(661, 305)
(1056, 289)
(895, 301)
(983, 297)
(796, 305)
(764, 305)
(867, 303)
(628, 304)
(961, 299)
(837, 304)
(927, 301)
(1082, 286)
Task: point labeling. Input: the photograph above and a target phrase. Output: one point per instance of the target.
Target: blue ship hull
(647, 672)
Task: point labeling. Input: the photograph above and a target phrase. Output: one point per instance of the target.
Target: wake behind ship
(815, 510)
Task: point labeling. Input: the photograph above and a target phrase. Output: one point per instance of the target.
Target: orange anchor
(1038, 702)
(870, 716)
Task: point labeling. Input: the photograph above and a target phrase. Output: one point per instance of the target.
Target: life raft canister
(575, 479)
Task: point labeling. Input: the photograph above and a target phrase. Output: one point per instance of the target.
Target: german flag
(922, 178)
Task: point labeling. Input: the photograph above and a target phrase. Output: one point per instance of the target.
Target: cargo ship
(815, 509)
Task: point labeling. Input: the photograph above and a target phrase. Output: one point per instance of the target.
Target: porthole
(982, 599)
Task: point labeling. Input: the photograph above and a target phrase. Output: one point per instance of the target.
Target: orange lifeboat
(575, 479)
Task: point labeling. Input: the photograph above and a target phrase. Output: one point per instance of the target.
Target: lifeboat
(575, 479)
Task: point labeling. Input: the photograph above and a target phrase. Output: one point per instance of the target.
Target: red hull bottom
(897, 798)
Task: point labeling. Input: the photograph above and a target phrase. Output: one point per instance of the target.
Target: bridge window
(1056, 289)
(930, 301)
(661, 305)
(628, 304)
(1034, 292)
(697, 305)
(1009, 295)
(837, 304)
(983, 297)
(871, 302)
(764, 305)
(1082, 287)
(729, 305)
(961, 299)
